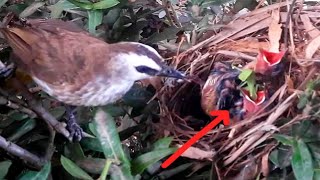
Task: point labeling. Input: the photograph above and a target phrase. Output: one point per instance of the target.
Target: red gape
(267, 60)
(250, 105)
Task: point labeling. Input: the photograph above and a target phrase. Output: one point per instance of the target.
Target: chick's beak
(170, 72)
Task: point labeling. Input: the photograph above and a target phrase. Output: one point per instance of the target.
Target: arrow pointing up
(222, 115)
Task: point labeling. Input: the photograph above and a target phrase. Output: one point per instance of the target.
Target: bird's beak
(170, 72)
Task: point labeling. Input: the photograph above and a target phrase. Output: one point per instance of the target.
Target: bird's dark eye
(146, 70)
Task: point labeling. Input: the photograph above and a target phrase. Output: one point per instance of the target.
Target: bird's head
(143, 61)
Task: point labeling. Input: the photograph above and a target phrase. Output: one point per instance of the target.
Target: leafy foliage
(4, 167)
(247, 76)
(304, 144)
(73, 169)
(41, 175)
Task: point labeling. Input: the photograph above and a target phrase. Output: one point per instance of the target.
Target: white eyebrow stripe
(139, 60)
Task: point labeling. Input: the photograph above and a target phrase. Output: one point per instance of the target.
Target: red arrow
(222, 115)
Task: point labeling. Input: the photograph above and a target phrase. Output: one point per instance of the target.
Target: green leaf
(132, 33)
(111, 144)
(73, 169)
(18, 116)
(105, 4)
(105, 169)
(251, 82)
(114, 110)
(59, 7)
(92, 165)
(312, 85)
(31, 9)
(58, 112)
(3, 2)
(166, 34)
(41, 175)
(74, 151)
(112, 16)
(26, 127)
(92, 129)
(4, 167)
(145, 160)
(284, 139)
(91, 144)
(162, 143)
(210, 3)
(301, 129)
(248, 77)
(16, 8)
(301, 162)
(81, 4)
(317, 174)
(245, 74)
(281, 156)
(94, 20)
(303, 101)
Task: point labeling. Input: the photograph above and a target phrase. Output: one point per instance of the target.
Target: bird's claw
(6, 71)
(76, 132)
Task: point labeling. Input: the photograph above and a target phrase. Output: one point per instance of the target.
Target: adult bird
(77, 68)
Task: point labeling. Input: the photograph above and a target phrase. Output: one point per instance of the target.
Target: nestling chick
(220, 91)
(77, 68)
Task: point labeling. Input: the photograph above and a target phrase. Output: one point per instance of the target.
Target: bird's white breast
(94, 93)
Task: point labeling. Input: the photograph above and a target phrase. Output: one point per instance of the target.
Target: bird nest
(231, 147)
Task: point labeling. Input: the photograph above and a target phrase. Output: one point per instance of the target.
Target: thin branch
(50, 149)
(40, 110)
(287, 23)
(25, 155)
(10, 104)
(14, 99)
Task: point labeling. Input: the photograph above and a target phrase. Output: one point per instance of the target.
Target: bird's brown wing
(54, 25)
(56, 52)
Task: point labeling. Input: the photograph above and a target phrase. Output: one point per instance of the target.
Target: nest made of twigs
(239, 42)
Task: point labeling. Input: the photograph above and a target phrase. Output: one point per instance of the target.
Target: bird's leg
(72, 125)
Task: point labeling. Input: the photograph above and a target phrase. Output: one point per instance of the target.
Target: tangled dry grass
(238, 42)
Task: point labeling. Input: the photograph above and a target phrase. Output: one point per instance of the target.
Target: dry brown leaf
(254, 28)
(196, 153)
(155, 82)
(268, 8)
(247, 45)
(265, 165)
(284, 15)
(312, 31)
(275, 31)
(312, 14)
(240, 25)
(231, 29)
(312, 47)
(289, 82)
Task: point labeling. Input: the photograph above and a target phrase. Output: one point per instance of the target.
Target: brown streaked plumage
(70, 64)
(77, 68)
